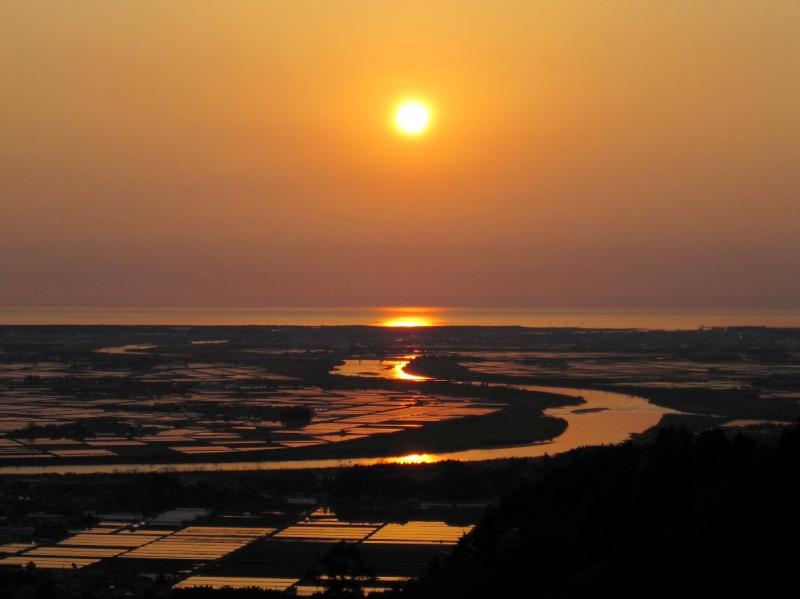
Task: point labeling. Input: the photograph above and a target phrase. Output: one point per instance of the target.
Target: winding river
(604, 419)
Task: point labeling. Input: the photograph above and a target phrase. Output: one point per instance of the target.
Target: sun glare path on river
(414, 458)
(398, 372)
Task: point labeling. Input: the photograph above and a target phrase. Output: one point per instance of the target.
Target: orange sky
(240, 153)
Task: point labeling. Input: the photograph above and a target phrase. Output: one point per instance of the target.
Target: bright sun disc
(412, 118)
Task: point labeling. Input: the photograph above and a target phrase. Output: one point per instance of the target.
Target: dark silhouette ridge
(684, 516)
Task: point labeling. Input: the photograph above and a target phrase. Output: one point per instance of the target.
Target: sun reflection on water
(414, 458)
(393, 368)
(399, 373)
(408, 322)
(409, 318)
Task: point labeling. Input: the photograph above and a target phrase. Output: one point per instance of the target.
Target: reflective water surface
(612, 418)
(387, 369)
(406, 316)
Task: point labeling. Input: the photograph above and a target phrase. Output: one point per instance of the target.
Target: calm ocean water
(529, 317)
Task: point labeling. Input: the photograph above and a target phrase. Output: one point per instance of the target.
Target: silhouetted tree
(344, 572)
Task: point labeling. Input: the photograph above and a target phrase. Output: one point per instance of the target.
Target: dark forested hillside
(684, 516)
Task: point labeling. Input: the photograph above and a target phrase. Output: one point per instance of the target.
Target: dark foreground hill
(686, 516)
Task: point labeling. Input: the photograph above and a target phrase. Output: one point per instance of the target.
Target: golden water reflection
(410, 318)
(414, 458)
(377, 316)
(611, 418)
(374, 368)
(398, 372)
(408, 322)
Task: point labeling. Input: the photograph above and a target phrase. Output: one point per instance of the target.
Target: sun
(412, 117)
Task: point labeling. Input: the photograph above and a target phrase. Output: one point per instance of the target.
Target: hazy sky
(239, 153)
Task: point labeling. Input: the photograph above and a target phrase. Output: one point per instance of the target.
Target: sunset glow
(525, 154)
(409, 322)
(263, 252)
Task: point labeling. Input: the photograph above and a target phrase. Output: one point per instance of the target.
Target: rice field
(77, 551)
(13, 548)
(237, 582)
(422, 533)
(218, 556)
(176, 426)
(379, 585)
(194, 543)
(322, 525)
(293, 585)
(57, 563)
(640, 369)
(199, 543)
(280, 561)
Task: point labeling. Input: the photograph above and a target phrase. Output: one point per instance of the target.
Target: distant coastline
(636, 318)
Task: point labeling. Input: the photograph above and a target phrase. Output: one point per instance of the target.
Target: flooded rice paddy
(604, 418)
(222, 415)
(627, 369)
(276, 558)
(231, 413)
(219, 420)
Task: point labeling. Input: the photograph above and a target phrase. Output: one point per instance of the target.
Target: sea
(615, 318)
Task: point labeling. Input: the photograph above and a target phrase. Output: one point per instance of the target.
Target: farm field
(39, 425)
(214, 555)
(173, 395)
